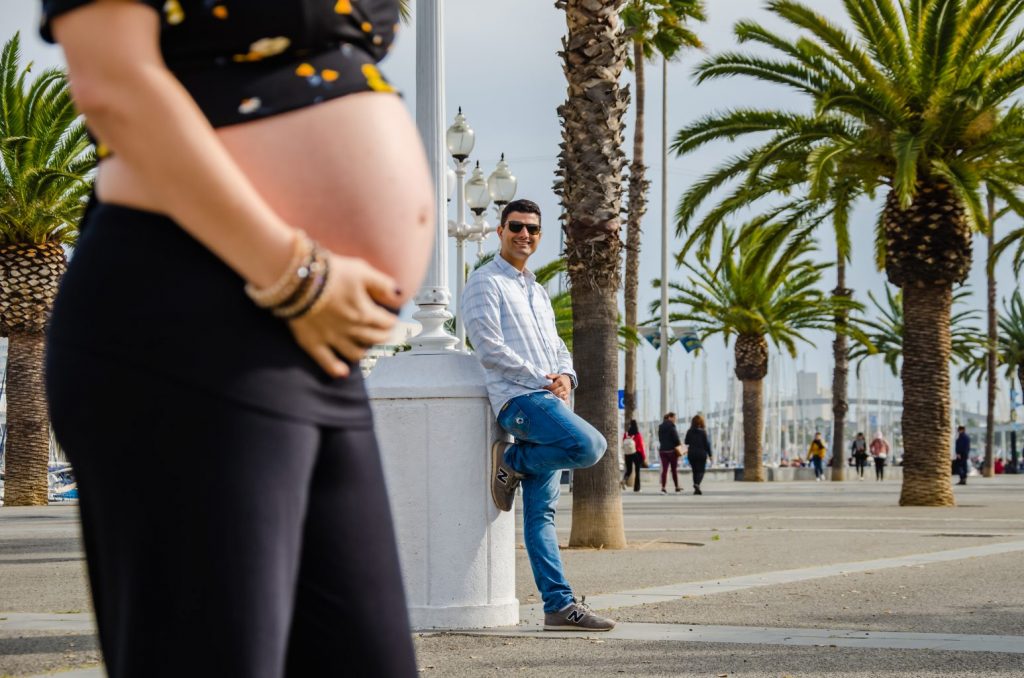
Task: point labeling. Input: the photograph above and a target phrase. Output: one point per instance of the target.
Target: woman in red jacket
(637, 459)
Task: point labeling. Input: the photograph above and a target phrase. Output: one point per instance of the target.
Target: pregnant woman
(261, 209)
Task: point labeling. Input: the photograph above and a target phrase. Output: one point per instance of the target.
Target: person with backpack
(860, 454)
(816, 455)
(634, 455)
(879, 452)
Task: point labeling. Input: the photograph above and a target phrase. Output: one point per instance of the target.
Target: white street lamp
(475, 193)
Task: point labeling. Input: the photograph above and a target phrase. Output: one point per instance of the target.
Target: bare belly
(350, 172)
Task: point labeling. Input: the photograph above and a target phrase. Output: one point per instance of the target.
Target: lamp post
(475, 193)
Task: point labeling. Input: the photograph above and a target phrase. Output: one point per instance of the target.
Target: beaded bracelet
(309, 292)
(285, 287)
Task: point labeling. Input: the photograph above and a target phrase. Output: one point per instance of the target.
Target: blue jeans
(549, 438)
(818, 471)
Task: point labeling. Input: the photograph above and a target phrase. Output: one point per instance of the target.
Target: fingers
(382, 288)
(329, 361)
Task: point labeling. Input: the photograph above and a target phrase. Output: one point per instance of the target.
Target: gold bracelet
(285, 287)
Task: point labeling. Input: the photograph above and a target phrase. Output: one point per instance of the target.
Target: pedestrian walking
(879, 452)
(670, 449)
(963, 453)
(213, 315)
(530, 375)
(859, 448)
(636, 458)
(816, 455)
(698, 450)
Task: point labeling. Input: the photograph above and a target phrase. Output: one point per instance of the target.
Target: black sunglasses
(517, 226)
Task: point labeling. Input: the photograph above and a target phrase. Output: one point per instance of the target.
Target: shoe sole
(497, 452)
(575, 628)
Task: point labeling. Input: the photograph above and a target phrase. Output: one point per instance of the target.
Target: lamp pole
(475, 193)
(664, 238)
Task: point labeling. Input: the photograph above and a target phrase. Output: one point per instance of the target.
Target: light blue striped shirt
(511, 324)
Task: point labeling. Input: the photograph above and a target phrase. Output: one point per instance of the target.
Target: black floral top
(247, 59)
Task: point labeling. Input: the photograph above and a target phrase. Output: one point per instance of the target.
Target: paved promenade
(796, 579)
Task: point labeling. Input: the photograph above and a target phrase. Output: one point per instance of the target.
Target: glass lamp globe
(460, 138)
(449, 182)
(477, 196)
(501, 184)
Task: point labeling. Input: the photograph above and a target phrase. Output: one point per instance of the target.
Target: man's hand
(560, 385)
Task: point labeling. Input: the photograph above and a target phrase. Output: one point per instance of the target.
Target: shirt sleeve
(54, 8)
(563, 357)
(482, 304)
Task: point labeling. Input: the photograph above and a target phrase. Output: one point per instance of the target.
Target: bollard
(435, 426)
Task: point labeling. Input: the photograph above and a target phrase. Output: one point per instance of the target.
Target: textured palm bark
(840, 373)
(927, 439)
(589, 186)
(637, 206)
(753, 427)
(751, 352)
(28, 423)
(991, 363)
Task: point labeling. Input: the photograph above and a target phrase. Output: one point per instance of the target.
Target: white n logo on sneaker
(576, 616)
(503, 476)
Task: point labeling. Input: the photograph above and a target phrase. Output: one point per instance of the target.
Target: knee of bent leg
(592, 446)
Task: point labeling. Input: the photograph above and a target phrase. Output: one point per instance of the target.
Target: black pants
(961, 468)
(633, 460)
(698, 462)
(225, 533)
(879, 469)
(861, 462)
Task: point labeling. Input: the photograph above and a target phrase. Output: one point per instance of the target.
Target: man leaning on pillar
(511, 324)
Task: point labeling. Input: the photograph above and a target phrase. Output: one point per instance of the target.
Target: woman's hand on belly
(351, 319)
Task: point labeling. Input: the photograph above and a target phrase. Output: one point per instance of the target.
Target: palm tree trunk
(28, 422)
(637, 206)
(589, 170)
(596, 497)
(753, 426)
(927, 440)
(840, 371)
(988, 469)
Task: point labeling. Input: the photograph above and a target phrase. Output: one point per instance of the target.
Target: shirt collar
(511, 271)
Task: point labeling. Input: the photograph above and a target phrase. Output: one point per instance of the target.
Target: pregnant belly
(351, 173)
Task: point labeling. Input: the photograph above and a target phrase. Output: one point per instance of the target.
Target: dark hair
(860, 434)
(697, 421)
(632, 429)
(521, 205)
(961, 428)
(669, 415)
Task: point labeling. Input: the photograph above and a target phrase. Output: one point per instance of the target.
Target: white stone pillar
(435, 425)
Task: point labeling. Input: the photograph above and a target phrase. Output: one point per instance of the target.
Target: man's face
(519, 246)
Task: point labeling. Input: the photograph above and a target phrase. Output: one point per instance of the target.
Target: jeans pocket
(515, 421)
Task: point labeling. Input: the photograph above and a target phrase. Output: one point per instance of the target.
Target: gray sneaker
(504, 480)
(577, 617)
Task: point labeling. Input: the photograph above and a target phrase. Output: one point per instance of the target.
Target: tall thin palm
(45, 166)
(764, 288)
(917, 103)
(588, 185)
(656, 27)
(1009, 346)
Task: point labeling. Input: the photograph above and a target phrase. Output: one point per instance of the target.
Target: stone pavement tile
(33, 652)
(973, 596)
(463, 656)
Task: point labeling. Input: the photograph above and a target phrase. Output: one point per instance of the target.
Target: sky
(503, 69)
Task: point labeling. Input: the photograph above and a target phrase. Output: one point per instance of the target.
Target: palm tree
(916, 104)
(764, 288)
(884, 334)
(45, 161)
(589, 167)
(655, 26)
(1009, 346)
